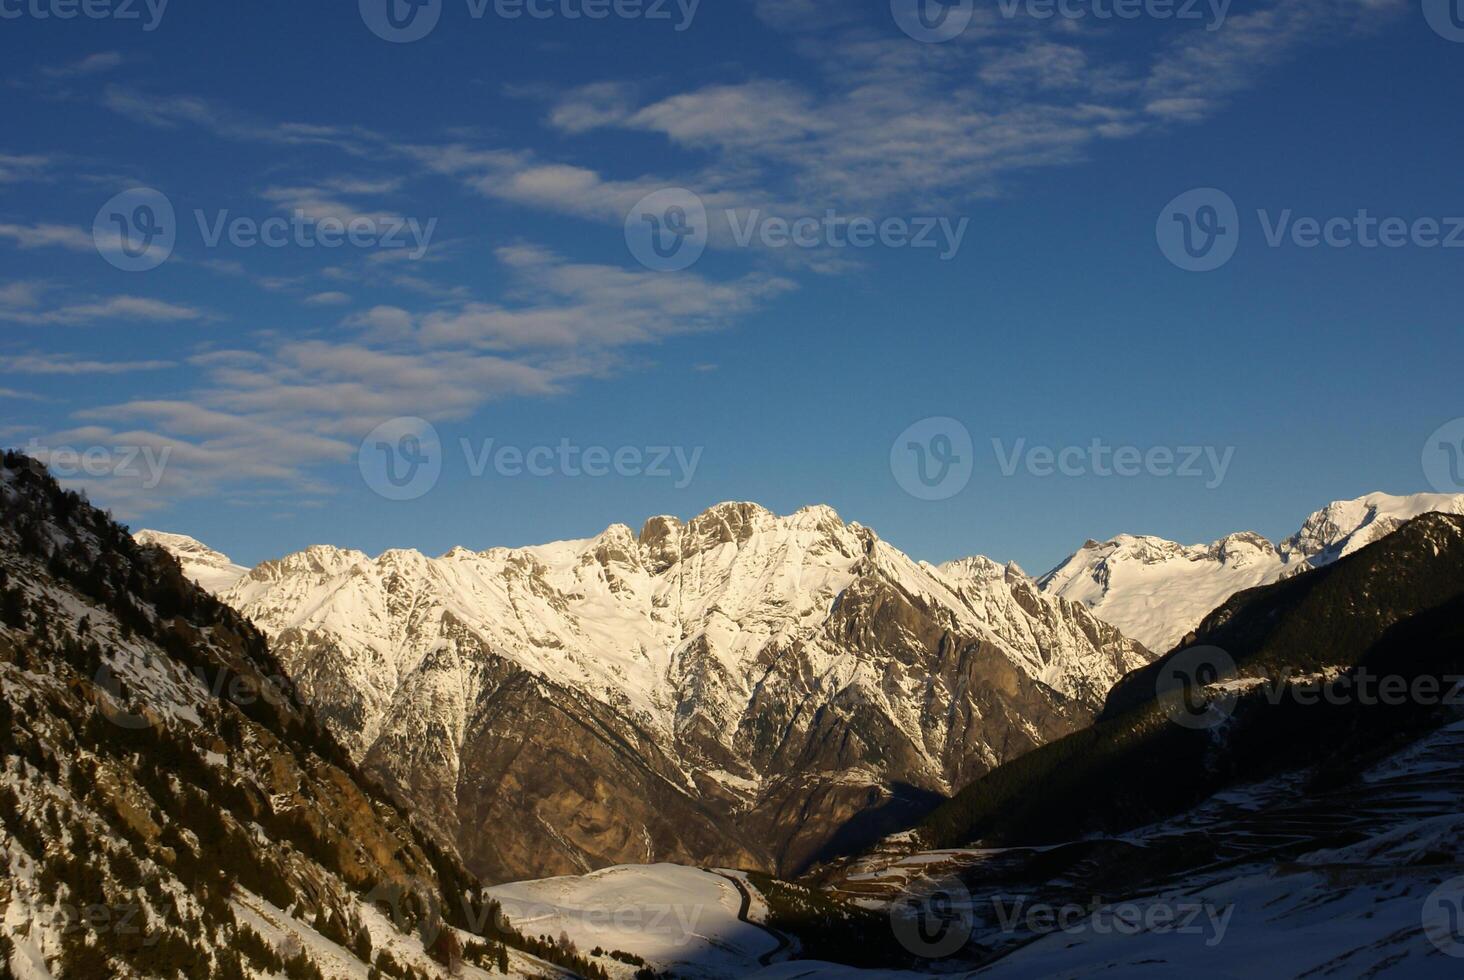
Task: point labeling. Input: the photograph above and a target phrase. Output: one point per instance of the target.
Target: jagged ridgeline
(741, 689)
(167, 805)
(1332, 669)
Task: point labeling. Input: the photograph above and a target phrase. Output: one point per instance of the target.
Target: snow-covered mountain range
(1157, 591)
(742, 688)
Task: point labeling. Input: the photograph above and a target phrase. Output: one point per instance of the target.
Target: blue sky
(787, 373)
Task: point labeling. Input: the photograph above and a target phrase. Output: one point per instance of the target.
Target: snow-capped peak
(1345, 526)
(1157, 590)
(211, 569)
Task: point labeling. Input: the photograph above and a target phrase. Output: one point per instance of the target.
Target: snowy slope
(1156, 591)
(210, 569)
(676, 918)
(1350, 882)
(768, 670)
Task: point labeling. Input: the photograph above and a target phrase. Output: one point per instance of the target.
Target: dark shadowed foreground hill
(168, 807)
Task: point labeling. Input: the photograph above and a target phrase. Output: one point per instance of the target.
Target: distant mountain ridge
(741, 688)
(1157, 591)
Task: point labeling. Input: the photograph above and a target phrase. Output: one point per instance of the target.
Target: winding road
(767, 958)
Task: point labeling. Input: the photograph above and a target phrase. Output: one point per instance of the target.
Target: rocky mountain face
(1157, 591)
(168, 807)
(740, 689)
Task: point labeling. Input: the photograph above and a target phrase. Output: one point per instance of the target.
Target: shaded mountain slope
(169, 807)
(1307, 651)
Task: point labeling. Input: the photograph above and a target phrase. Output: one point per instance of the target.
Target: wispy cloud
(15, 395)
(48, 236)
(319, 203)
(95, 64)
(112, 308)
(284, 411)
(68, 364)
(15, 168)
(327, 299)
(170, 112)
